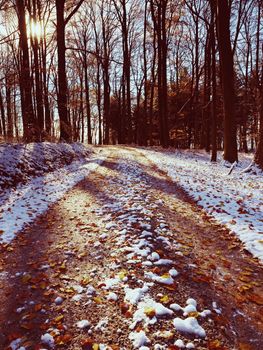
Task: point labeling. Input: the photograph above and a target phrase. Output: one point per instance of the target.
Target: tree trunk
(38, 81)
(166, 140)
(126, 73)
(2, 109)
(152, 94)
(144, 125)
(214, 87)
(259, 151)
(106, 97)
(196, 91)
(158, 11)
(10, 134)
(99, 102)
(45, 87)
(25, 81)
(227, 74)
(87, 98)
(65, 127)
(206, 117)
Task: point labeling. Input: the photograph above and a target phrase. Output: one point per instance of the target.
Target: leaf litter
(119, 281)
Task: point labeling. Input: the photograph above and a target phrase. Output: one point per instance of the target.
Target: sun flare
(35, 29)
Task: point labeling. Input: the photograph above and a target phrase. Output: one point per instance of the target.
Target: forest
(131, 174)
(183, 73)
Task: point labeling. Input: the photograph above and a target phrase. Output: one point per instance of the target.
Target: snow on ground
(21, 205)
(127, 219)
(20, 162)
(235, 200)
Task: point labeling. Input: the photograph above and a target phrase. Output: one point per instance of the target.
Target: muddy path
(131, 256)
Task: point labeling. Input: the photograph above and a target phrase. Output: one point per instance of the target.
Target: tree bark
(2, 109)
(10, 134)
(158, 11)
(38, 82)
(259, 151)
(87, 97)
(214, 87)
(227, 74)
(25, 81)
(65, 127)
(45, 87)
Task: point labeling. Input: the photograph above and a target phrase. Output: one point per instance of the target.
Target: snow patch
(139, 339)
(189, 325)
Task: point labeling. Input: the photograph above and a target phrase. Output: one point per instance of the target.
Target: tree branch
(72, 13)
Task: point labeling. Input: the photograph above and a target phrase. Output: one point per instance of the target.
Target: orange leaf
(255, 298)
(87, 344)
(244, 346)
(37, 307)
(64, 339)
(27, 326)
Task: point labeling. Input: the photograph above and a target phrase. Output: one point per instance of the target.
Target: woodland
(131, 174)
(181, 73)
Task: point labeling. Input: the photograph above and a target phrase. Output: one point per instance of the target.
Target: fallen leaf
(37, 307)
(97, 300)
(244, 346)
(165, 299)
(26, 278)
(64, 339)
(216, 344)
(27, 326)
(58, 319)
(124, 307)
(150, 312)
(86, 344)
(255, 298)
(85, 281)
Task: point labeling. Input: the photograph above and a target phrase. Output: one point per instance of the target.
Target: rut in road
(127, 261)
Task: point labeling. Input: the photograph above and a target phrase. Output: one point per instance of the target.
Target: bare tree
(227, 74)
(62, 21)
(26, 82)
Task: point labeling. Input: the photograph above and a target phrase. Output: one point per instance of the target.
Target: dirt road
(131, 256)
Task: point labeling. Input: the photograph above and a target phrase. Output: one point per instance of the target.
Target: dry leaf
(150, 312)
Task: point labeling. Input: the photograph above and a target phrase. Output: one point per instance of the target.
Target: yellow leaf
(62, 267)
(165, 299)
(26, 278)
(194, 314)
(85, 281)
(42, 285)
(97, 300)
(215, 344)
(245, 287)
(247, 273)
(58, 319)
(150, 312)
(122, 275)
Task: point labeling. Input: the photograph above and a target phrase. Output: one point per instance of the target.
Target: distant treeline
(182, 73)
